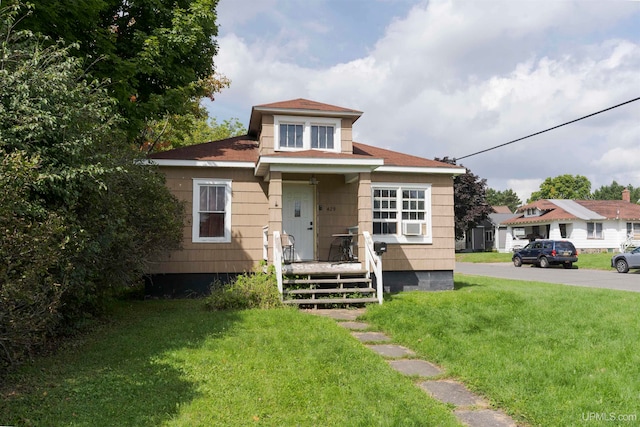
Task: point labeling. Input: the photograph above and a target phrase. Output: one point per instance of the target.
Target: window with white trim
(633, 228)
(322, 137)
(306, 133)
(211, 210)
(594, 230)
(291, 135)
(402, 212)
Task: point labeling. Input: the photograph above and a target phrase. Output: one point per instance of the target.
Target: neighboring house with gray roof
(299, 172)
(489, 235)
(591, 225)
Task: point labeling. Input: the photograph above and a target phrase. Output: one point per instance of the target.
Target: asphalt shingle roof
(245, 149)
(606, 209)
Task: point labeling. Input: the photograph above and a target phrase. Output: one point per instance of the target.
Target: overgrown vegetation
(549, 355)
(257, 289)
(80, 214)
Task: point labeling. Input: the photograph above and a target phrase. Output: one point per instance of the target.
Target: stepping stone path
(470, 409)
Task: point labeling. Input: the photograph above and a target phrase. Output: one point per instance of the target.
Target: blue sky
(449, 78)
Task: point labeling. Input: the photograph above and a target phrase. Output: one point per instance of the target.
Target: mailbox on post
(380, 247)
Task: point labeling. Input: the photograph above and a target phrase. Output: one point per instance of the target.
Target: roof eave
(255, 119)
(200, 163)
(422, 170)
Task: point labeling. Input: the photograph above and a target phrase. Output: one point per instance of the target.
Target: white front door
(298, 207)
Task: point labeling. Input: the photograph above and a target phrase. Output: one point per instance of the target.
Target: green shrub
(257, 289)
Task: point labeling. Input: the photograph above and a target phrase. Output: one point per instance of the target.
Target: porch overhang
(267, 164)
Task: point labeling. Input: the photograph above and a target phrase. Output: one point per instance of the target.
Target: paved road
(575, 277)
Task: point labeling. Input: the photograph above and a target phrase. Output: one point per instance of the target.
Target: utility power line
(547, 130)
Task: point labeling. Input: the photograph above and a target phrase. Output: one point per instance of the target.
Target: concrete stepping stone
(452, 392)
(391, 350)
(338, 314)
(484, 418)
(417, 367)
(371, 336)
(354, 325)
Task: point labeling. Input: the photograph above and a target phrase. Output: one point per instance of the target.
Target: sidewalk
(471, 409)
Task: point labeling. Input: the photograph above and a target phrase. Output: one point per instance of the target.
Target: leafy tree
(614, 192)
(81, 214)
(30, 266)
(157, 54)
(563, 187)
(470, 206)
(181, 131)
(503, 198)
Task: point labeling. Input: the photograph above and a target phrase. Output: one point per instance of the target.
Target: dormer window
(293, 133)
(322, 137)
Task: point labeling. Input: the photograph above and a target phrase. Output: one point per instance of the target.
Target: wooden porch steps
(336, 301)
(336, 287)
(329, 291)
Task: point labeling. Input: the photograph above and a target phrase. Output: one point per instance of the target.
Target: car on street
(544, 253)
(624, 261)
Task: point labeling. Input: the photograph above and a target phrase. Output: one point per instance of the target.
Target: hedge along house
(298, 173)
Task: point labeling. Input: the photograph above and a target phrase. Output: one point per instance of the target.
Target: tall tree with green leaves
(470, 205)
(181, 131)
(566, 186)
(614, 192)
(81, 214)
(157, 54)
(506, 197)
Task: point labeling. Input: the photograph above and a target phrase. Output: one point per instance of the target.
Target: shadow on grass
(460, 284)
(118, 376)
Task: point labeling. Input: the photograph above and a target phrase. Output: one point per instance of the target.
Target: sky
(445, 78)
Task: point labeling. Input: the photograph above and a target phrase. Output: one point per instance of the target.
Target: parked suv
(544, 253)
(624, 261)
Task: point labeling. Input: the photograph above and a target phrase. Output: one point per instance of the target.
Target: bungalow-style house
(299, 193)
(591, 225)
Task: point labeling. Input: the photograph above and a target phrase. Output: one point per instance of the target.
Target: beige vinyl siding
(337, 209)
(439, 255)
(267, 133)
(249, 213)
(346, 133)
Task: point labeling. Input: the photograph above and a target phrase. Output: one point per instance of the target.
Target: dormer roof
(298, 107)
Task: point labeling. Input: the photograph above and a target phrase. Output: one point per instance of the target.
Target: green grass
(171, 363)
(483, 257)
(599, 261)
(548, 355)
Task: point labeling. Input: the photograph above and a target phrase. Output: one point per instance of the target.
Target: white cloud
(453, 78)
(524, 187)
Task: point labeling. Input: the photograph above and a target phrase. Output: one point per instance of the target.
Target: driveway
(574, 277)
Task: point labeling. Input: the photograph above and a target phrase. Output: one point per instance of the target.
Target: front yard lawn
(171, 363)
(549, 355)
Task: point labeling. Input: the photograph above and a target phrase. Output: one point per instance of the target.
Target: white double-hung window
(402, 212)
(211, 210)
(594, 230)
(306, 133)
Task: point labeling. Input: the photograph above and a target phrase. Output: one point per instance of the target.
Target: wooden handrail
(373, 262)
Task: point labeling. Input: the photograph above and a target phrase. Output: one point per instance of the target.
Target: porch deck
(322, 268)
(340, 283)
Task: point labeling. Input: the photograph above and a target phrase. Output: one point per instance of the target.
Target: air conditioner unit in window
(412, 228)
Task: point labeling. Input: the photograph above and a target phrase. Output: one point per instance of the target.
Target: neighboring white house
(591, 225)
